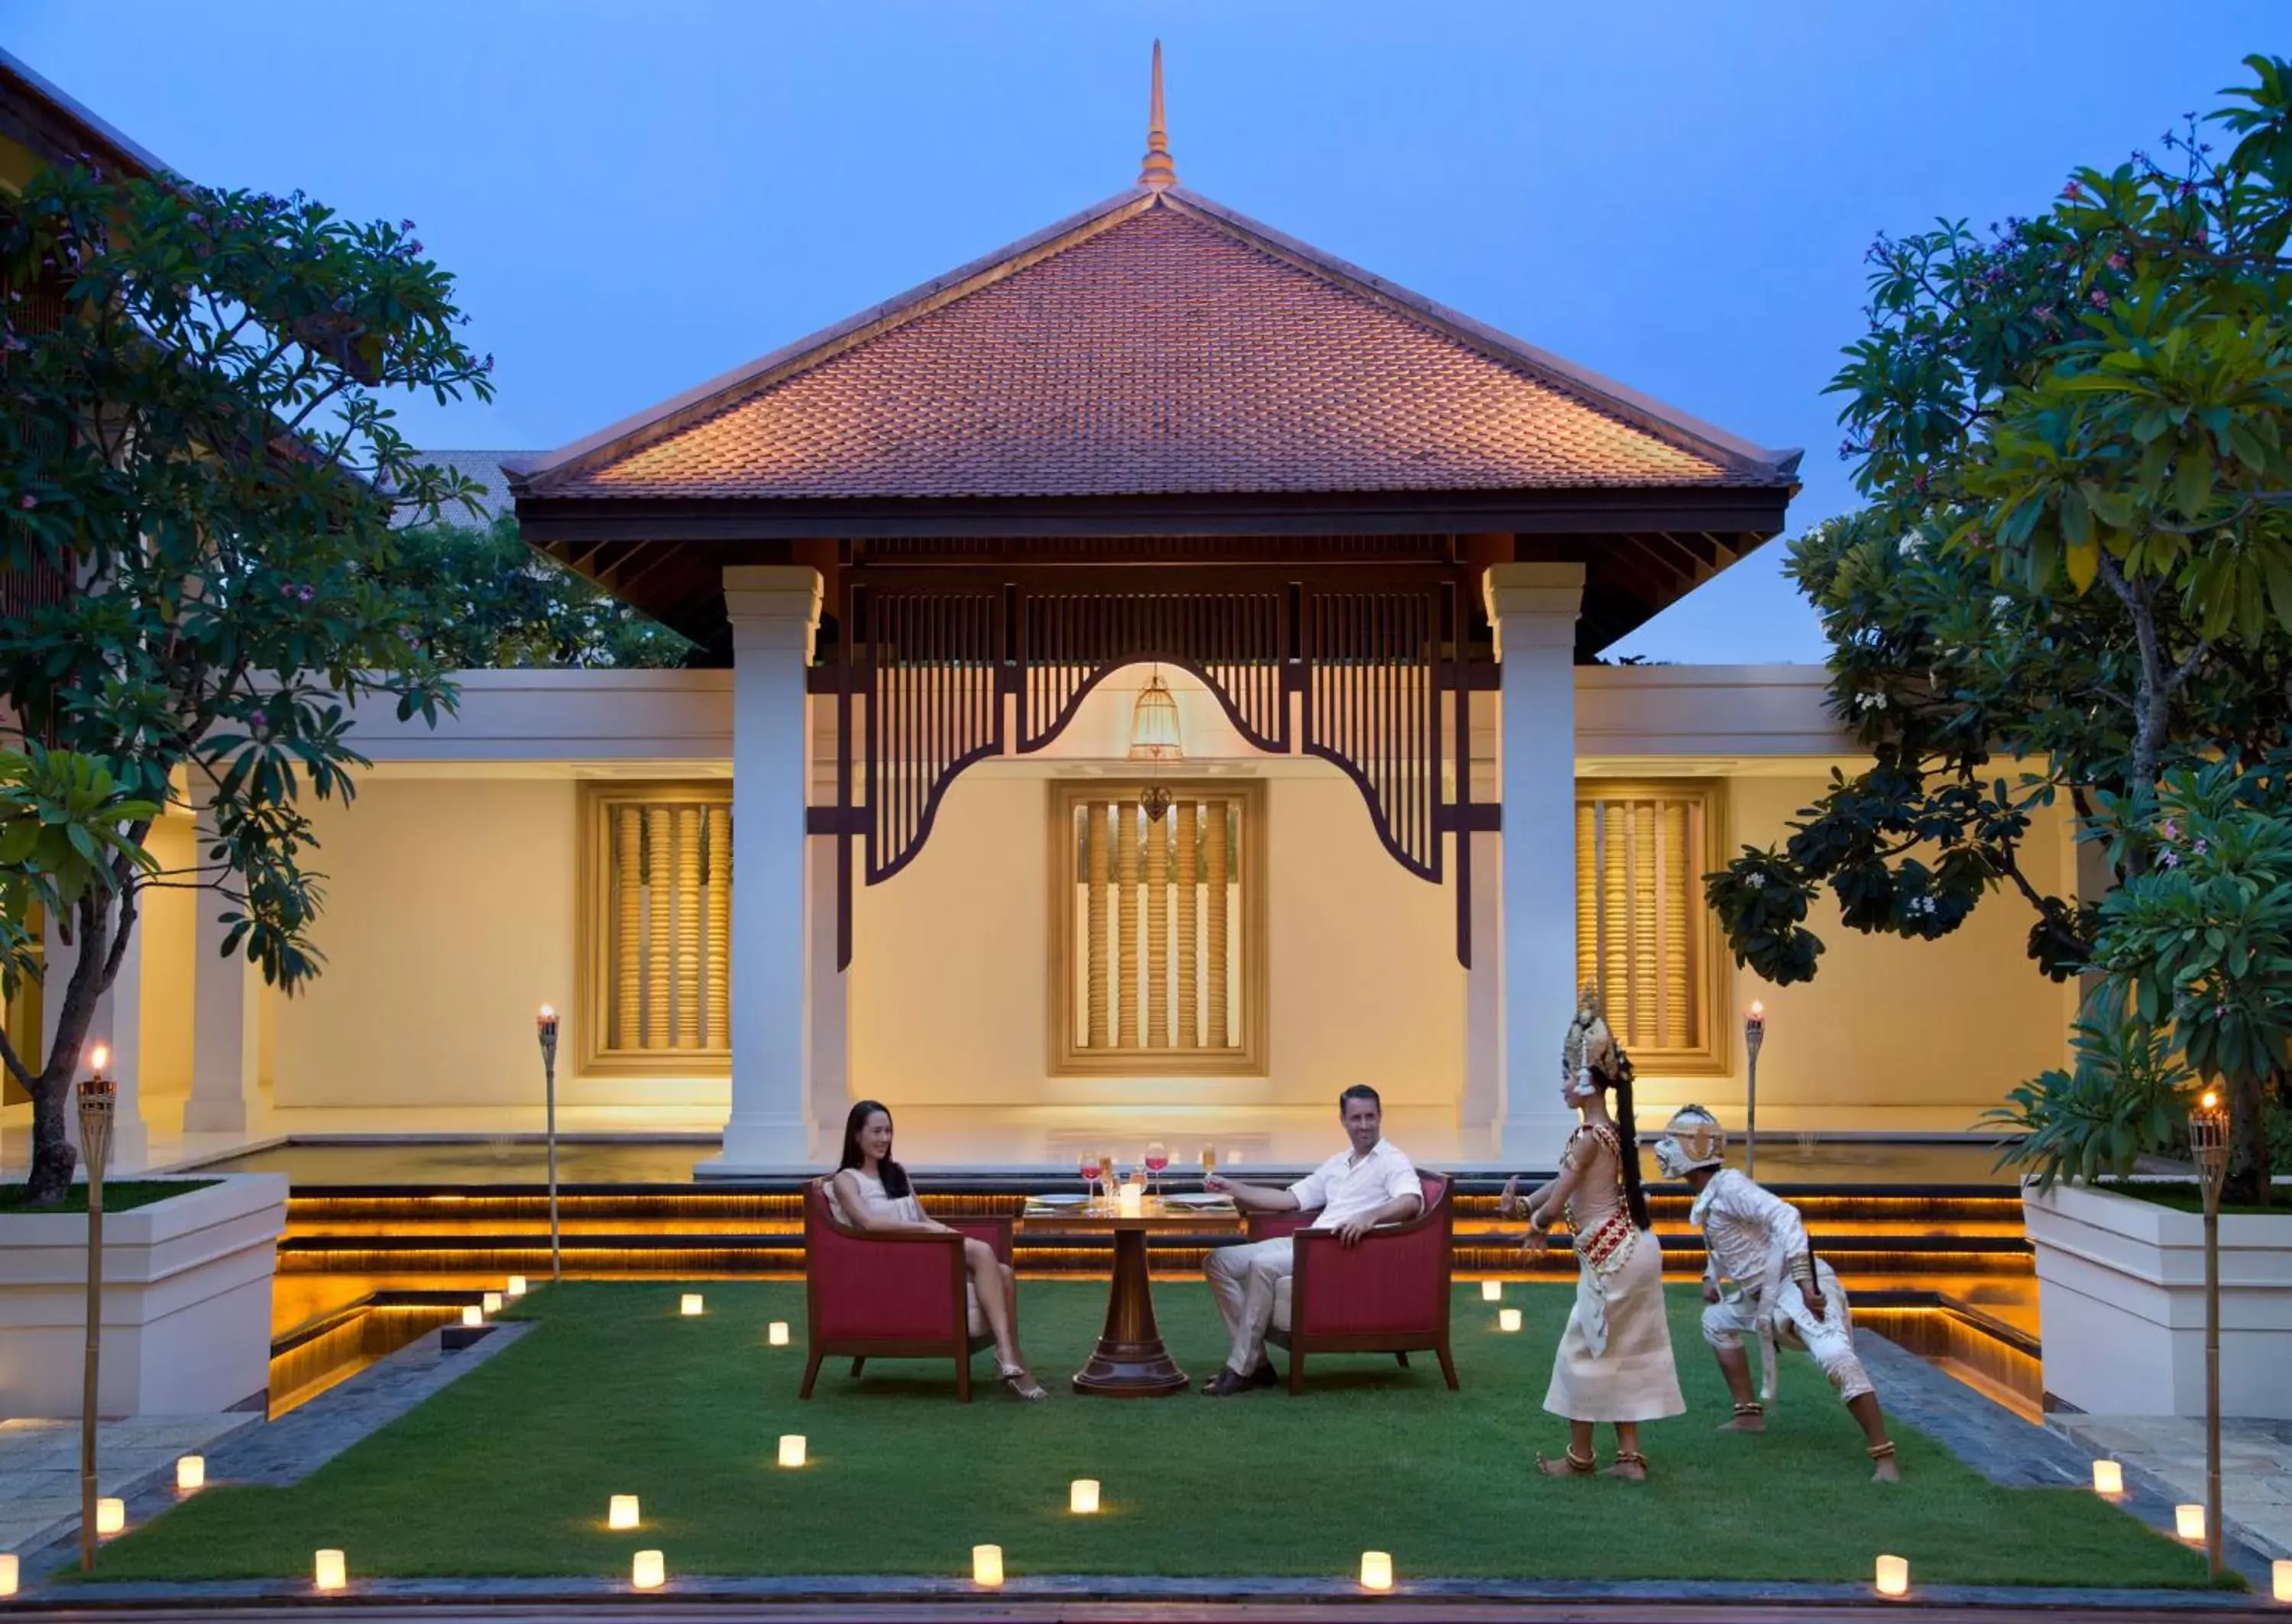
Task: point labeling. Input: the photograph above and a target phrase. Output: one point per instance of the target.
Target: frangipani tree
(193, 438)
(2075, 572)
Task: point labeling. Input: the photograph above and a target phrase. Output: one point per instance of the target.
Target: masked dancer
(1783, 1292)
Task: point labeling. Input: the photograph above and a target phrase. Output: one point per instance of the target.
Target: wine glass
(1088, 1165)
(1158, 1157)
(1209, 1163)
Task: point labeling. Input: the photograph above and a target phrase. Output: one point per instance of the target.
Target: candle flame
(99, 1057)
(548, 1013)
(2211, 1101)
(1758, 1011)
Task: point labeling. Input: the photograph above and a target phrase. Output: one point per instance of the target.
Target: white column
(1533, 609)
(226, 1019)
(774, 610)
(1484, 1024)
(827, 1050)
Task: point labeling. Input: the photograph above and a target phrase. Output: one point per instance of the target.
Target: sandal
(1631, 1465)
(1021, 1383)
(1571, 1464)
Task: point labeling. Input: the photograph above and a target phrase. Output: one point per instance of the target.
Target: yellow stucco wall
(169, 917)
(449, 918)
(950, 976)
(1891, 1033)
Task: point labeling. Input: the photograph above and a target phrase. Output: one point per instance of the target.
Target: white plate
(1060, 1201)
(1190, 1199)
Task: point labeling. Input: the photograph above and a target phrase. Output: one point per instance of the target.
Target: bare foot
(1567, 1465)
(1886, 1471)
(1744, 1423)
(1508, 1203)
(1631, 1468)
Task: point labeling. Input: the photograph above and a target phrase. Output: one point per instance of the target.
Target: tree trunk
(54, 1156)
(2248, 1180)
(93, 970)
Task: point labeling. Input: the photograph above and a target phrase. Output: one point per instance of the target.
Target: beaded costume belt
(1608, 1245)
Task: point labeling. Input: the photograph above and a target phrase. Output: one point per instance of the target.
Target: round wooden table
(1129, 1361)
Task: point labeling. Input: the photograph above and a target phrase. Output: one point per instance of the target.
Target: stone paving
(2255, 1464)
(39, 1467)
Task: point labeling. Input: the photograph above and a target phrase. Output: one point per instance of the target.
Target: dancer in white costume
(1614, 1362)
(1784, 1293)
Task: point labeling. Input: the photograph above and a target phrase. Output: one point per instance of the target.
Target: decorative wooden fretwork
(1359, 661)
(655, 930)
(1642, 932)
(1158, 929)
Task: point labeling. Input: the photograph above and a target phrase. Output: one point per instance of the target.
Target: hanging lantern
(1154, 738)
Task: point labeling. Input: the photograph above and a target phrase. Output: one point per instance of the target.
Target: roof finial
(1157, 170)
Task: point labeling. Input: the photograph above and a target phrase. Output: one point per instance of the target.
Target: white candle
(777, 1333)
(621, 1511)
(2282, 1571)
(791, 1449)
(472, 1314)
(1507, 1319)
(517, 1285)
(1377, 1570)
(1133, 1200)
(2189, 1522)
(986, 1564)
(1893, 1576)
(110, 1516)
(1082, 1496)
(647, 1572)
(8, 1575)
(493, 1302)
(689, 1305)
(1492, 1291)
(191, 1473)
(2108, 1478)
(330, 1571)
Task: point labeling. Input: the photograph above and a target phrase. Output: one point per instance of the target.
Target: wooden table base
(1130, 1361)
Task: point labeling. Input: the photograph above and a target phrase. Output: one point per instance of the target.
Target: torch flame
(548, 1013)
(1758, 1011)
(2211, 1101)
(99, 1057)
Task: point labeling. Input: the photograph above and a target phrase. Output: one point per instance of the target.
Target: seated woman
(870, 1191)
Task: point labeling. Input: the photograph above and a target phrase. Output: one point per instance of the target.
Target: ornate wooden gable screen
(1373, 655)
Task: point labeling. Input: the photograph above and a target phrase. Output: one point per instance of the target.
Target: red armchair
(1388, 1295)
(889, 1295)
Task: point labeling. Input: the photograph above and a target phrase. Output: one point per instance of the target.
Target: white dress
(900, 1210)
(1614, 1362)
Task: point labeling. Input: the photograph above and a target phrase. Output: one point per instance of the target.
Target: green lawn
(506, 1472)
(121, 1197)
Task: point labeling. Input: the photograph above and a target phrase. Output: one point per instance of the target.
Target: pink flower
(28, 502)
(2073, 189)
(2099, 300)
(2117, 261)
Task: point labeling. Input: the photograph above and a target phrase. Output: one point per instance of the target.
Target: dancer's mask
(1692, 1140)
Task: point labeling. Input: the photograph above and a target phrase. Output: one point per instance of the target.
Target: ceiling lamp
(1154, 738)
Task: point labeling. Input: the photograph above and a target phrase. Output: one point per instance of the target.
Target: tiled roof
(1159, 348)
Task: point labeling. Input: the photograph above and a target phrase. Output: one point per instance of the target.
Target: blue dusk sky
(639, 194)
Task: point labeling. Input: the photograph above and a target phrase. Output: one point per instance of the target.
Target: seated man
(1356, 1190)
(1786, 1293)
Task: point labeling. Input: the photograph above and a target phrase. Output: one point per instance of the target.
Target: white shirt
(1751, 1233)
(1345, 1189)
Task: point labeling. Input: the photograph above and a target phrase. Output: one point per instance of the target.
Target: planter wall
(2121, 1298)
(186, 1303)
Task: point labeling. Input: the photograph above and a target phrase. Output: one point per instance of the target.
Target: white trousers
(1828, 1338)
(1245, 1281)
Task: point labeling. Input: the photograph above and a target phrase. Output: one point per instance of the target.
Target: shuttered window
(655, 937)
(1157, 932)
(1644, 934)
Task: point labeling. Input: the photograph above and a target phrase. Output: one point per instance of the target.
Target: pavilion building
(1150, 684)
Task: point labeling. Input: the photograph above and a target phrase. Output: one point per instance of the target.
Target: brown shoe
(1225, 1384)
